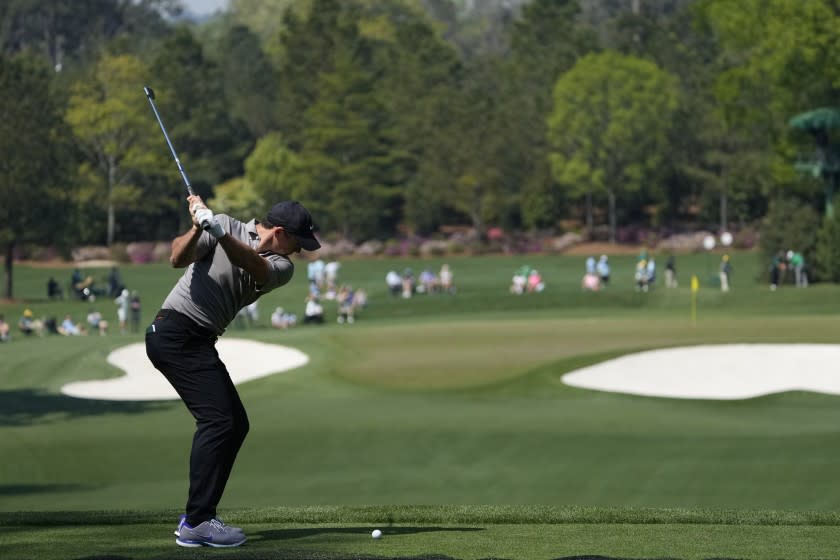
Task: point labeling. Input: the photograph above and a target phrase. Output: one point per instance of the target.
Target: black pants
(186, 354)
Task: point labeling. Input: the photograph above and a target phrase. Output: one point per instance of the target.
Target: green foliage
(777, 62)
(238, 198)
(610, 123)
(417, 85)
(115, 132)
(211, 142)
(307, 50)
(828, 250)
(70, 34)
(791, 225)
(250, 81)
(545, 41)
(271, 169)
(438, 112)
(35, 181)
(266, 18)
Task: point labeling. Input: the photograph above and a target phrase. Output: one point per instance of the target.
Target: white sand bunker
(246, 360)
(725, 372)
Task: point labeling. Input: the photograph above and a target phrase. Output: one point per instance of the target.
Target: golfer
(229, 265)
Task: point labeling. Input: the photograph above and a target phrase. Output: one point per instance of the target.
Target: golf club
(150, 94)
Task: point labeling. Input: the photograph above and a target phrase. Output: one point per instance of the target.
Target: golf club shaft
(150, 95)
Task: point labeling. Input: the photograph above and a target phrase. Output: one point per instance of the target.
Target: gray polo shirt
(212, 290)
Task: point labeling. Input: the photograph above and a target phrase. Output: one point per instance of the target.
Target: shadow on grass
(243, 554)
(588, 557)
(24, 489)
(19, 407)
(300, 533)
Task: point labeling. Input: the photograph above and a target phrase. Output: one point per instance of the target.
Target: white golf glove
(203, 216)
(209, 223)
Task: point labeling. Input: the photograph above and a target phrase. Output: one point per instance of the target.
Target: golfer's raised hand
(195, 203)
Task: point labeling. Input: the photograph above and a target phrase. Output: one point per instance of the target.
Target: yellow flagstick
(695, 286)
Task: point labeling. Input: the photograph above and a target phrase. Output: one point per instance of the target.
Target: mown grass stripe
(488, 515)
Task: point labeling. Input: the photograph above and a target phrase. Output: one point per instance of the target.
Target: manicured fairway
(440, 400)
(527, 533)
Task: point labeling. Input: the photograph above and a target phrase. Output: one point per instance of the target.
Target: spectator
(360, 300)
(253, 311)
(123, 302)
(725, 270)
(315, 274)
(51, 326)
(777, 265)
(314, 289)
(115, 285)
(428, 282)
(314, 312)
(54, 290)
(69, 328)
(641, 275)
(5, 330)
(28, 325)
(651, 271)
(590, 265)
(330, 277)
(76, 279)
(797, 263)
(282, 320)
(445, 277)
(394, 282)
(96, 322)
(407, 283)
(82, 285)
(671, 273)
(134, 308)
(535, 281)
(345, 305)
(603, 270)
(242, 319)
(519, 282)
(591, 281)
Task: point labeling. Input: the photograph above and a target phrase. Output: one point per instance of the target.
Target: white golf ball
(376, 534)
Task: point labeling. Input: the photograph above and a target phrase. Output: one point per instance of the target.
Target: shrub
(91, 253)
(433, 248)
(141, 252)
(790, 225)
(119, 253)
(162, 251)
(827, 254)
(370, 248)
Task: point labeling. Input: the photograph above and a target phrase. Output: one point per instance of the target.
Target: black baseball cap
(295, 219)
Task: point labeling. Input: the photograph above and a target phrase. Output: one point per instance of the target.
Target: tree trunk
(10, 251)
(589, 224)
(724, 209)
(112, 170)
(611, 199)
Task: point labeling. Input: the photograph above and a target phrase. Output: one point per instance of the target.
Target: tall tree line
(387, 116)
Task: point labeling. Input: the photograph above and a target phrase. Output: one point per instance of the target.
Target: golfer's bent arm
(246, 258)
(183, 248)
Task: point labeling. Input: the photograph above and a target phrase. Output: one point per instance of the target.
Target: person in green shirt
(797, 263)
